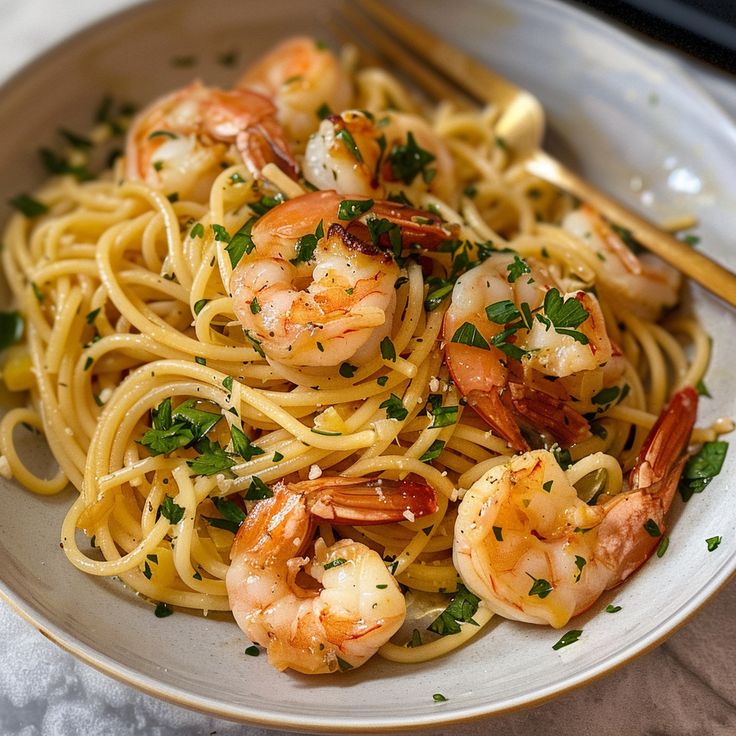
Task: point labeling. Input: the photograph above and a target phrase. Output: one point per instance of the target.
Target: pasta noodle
(126, 293)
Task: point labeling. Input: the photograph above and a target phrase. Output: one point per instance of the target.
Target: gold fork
(521, 125)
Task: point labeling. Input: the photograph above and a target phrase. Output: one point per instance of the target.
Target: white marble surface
(686, 686)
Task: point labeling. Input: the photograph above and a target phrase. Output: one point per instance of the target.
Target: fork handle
(709, 274)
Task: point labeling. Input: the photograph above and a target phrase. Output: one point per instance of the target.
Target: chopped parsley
(468, 334)
(439, 698)
(346, 137)
(702, 389)
(701, 468)
(242, 445)
(395, 408)
(335, 563)
(498, 533)
(433, 451)
(351, 209)
(255, 307)
(197, 231)
(241, 243)
(200, 305)
(388, 351)
(408, 160)
(307, 244)
(227, 383)
(569, 638)
(257, 490)
(212, 458)
(171, 511)
(461, 609)
(444, 416)
(253, 651)
(162, 610)
(610, 608)
(28, 205)
(540, 587)
(221, 234)
(11, 328)
(713, 543)
(662, 548)
(323, 111)
(518, 267)
(651, 527)
(347, 371)
(199, 421)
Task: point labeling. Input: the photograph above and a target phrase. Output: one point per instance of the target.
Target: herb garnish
(351, 209)
(569, 638)
(242, 445)
(171, 511)
(395, 408)
(540, 587)
(461, 609)
(257, 490)
(407, 160)
(241, 243)
(28, 205)
(307, 244)
(702, 467)
(713, 543)
(433, 451)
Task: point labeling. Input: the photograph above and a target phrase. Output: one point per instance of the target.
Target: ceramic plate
(626, 118)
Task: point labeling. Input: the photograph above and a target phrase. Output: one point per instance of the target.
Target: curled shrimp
(302, 76)
(359, 153)
(516, 361)
(347, 604)
(644, 283)
(180, 142)
(321, 306)
(533, 551)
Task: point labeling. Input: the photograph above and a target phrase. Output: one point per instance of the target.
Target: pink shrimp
(533, 551)
(180, 141)
(348, 604)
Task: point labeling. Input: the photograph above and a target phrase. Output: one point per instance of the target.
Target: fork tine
(521, 122)
(465, 72)
(430, 81)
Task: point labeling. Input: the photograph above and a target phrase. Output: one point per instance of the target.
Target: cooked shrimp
(319, 305)
(302, 76)
(352, 605)
(644, 283)
(533, 551)
(508, 340)
(180, 142)
(357, 153)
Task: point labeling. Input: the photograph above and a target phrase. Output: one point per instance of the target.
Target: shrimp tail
(547, 413)
(265, 143)
(417, 226)
(635, 523)
(666, 441)
(366, 501)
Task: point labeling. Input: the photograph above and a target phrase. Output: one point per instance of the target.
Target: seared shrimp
(302, 76)
(180, 142)
(352, 605)
(533, 551)
(315, 289)
(358, 153)
(644, 283)
(506, 346)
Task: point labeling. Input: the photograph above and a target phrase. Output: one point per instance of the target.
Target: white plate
(623, 115)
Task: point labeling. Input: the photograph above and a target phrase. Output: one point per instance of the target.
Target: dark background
(705, 29)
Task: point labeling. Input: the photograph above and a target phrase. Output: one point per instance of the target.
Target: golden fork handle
(683, 257)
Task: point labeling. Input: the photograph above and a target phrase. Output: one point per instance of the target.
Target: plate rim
(127, 675)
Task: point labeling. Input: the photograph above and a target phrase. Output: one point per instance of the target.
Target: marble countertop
(686, 686)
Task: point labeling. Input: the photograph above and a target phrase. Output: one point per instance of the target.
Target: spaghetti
(125, 285)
